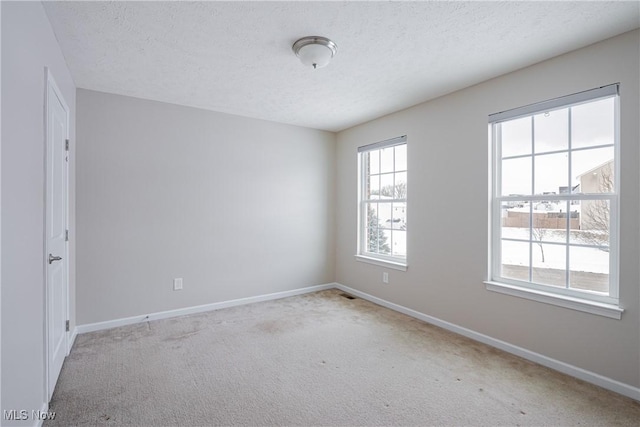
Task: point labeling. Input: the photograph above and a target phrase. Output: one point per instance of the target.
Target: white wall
(28, 45)
(447, 243)
(236, 207)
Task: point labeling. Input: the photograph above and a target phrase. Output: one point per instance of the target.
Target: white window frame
(389, 261)
(592, 302)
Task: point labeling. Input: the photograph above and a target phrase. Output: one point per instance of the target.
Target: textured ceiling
(236, 57)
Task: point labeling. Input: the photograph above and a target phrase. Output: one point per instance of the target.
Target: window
(383, 202)
(555, 197)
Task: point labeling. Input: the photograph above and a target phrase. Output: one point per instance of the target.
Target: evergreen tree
(377, 240)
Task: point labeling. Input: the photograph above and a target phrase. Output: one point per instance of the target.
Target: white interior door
(57, 125)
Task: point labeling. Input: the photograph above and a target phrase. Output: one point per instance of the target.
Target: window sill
(587, 306)
(382, 263)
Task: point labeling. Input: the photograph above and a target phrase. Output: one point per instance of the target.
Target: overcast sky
(387, 160)
(592, 124)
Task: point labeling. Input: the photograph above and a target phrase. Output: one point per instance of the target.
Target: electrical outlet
(385, 277)
(177, 284)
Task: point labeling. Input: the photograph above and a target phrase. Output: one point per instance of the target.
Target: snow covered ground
(590, 260)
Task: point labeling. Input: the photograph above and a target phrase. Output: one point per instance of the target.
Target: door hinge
(66, 235)
(66, 145)
(67, 326)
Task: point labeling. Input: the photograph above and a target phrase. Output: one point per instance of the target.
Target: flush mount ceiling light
(315, 51)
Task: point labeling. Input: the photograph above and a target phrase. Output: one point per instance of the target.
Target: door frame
(50, 85)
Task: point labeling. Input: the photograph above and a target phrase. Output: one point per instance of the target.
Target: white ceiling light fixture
(315, 51)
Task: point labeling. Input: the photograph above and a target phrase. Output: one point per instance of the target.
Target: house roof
(592, 170)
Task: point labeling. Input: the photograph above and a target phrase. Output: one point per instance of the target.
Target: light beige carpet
(316, 359)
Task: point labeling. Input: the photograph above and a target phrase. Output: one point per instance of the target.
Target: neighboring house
(588, 215)
(595, 213)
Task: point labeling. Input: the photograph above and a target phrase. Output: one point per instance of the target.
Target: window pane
(371, 228)
(589, 269)
(551, 173)
(574, 215)
(399, 212)
(549, 222)
(594, 223)
(593, 170)
(386, 185)
(546, 237)
(386, 160)
(516, 137)
(399, 243)
(515, 220)
(548, 227)
(516, 176)
(384, 242)
(515, 260)
(401, 185)
(401, 157)
(549, 264)
(374, 161)
(373, 188)
(384, 215)
(382, 183)
(551, 131)
(593, 123)
(372, 215)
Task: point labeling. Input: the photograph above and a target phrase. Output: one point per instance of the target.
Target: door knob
(54, 258)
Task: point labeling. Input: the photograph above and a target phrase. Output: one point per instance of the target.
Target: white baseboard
(574, 371)
(92, 327)
(72, 339)
(43, 410)
(565, 368)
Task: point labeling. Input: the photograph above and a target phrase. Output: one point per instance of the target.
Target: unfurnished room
(420, 213)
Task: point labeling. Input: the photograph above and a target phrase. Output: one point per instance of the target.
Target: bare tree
(538, 233)
(399, 191)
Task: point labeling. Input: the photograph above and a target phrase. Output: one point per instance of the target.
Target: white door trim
(50, 84)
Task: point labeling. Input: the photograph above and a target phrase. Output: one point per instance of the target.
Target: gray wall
(28, 45)
(237, 207)
(447, 245)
